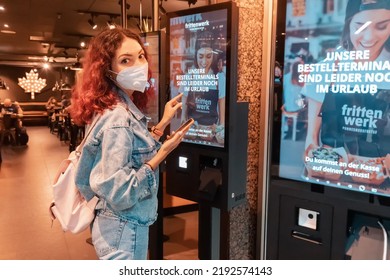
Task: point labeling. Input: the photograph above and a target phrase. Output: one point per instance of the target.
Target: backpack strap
(79, 147)
(92, 202)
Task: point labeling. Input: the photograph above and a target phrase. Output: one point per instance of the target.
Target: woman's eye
(125, 61)
(381, 26)
(142, 56)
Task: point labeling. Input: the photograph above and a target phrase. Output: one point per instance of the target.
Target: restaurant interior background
(50, 37)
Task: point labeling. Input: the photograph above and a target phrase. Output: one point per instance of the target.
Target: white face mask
(133, 77)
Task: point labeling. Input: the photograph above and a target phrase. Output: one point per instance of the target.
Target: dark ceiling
(55, 28)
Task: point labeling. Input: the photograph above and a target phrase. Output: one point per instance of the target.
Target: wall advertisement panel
(198, 66)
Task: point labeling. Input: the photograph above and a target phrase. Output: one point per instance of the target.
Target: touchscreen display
(335, 121)
(197, 63)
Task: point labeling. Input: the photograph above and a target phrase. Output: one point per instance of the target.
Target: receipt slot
(210, 178)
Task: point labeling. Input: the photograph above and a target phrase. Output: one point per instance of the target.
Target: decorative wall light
(61, 85)
(31, 83)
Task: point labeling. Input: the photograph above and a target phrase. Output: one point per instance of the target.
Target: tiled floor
(182, 232)
(26, 231)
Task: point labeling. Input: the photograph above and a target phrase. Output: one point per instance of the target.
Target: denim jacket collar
(131, 106)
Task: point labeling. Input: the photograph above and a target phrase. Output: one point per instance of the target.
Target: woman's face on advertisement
(370, 30)
(130, 53)
(204, 58)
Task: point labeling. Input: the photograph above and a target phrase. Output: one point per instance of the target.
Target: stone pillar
(243, 219)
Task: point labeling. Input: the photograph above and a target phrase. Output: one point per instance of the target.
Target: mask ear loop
(110, 74)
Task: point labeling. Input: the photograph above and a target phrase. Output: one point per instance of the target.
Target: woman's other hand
(167, 147)
(173, 141)
(171, 107)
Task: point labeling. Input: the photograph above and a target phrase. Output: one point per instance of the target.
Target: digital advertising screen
(335, 113)
(197, 67)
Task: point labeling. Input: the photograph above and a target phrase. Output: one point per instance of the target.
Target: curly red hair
(94, 91)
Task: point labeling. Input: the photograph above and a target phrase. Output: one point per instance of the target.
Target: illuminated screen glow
(197, 52)
(335, 122)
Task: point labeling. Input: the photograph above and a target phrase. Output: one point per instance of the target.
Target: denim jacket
(112, 165)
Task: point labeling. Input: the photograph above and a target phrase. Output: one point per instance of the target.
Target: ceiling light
(6, 25)
(2, 8)
(111, 24)
(92, 23)
(8, 31)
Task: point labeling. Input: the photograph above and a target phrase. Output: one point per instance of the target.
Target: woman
(120, 159)
(205, 102)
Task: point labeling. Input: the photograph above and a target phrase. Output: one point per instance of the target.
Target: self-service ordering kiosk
(209, 166)
(328, 192)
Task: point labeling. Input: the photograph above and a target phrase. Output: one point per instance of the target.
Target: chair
(9, 129)
(64, 127)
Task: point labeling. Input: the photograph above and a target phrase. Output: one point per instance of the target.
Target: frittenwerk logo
(360, 119)
(193, 26)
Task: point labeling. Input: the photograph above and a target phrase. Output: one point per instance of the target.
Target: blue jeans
(118, 239)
